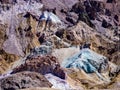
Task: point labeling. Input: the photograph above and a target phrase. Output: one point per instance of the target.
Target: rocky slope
(73, 44)
(24, 80)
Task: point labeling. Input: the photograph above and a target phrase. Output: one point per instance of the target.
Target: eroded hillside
(67, 44)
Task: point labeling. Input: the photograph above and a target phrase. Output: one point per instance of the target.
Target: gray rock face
(12, 46)
(19, 35)
(42, 50)
(24, 80)
(61, 7)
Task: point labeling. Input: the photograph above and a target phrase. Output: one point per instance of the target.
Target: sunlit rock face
(49, 16)
(82, 36)
(19, 31)
(21, 37)
(57, 82)
(48, 21)
(87, 60)
(92, 70)
(5, 58)
(64, 53)
(60, 8)
(95, 14)
(68, 83)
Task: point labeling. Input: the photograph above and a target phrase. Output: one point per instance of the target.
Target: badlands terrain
(59, 44)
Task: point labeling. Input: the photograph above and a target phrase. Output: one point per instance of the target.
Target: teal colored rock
(87, 60)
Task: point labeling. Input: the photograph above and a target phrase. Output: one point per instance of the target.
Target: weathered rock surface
(57, 82)
(115, 84)
(60, 7)
(33, 30)
(64, 53)
(87, 60)
(42, 64)
(24, 80)
(116, 58)
(87, 37)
